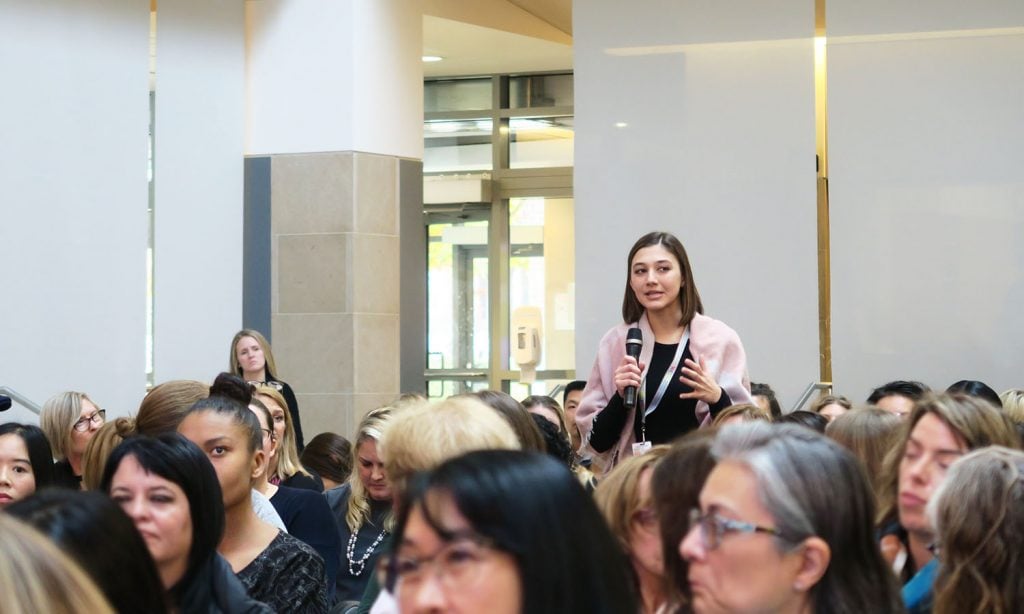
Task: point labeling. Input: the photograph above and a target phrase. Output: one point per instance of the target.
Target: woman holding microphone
(690, 366)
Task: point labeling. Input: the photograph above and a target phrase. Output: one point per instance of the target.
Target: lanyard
(665, 381)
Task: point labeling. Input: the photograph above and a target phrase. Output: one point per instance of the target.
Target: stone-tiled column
(335, 102)
(335, 290)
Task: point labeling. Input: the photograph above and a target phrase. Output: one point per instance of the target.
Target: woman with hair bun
(108, 437)
(253, 361)
(275, 568)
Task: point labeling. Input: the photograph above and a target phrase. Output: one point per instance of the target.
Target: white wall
(698, 118)
(926, 141)
(334, 76)
(200, 101)
(73, 196)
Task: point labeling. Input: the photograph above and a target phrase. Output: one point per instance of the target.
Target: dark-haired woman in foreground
(505, 532)
(275, 567)
(169, 490)
(123, 568)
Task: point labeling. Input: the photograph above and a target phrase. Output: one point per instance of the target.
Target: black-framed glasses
(713, 528)
(98, 418)
(269, 433)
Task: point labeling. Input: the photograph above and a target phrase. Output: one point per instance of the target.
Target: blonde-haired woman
(36, 577)
(253, 360)
(70, 419)
(1013, 404)
(362, 507)
(108, 437)
(625, 500)
(285, 468)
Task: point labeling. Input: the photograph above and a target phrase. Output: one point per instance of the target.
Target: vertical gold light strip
(150, 214)
(824, 239)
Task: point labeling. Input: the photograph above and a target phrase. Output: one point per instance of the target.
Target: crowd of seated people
(202, 501)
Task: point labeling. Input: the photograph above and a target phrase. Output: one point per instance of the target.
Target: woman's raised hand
(696, 376)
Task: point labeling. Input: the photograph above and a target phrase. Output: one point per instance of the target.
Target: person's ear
(259, 464)
(815, 556)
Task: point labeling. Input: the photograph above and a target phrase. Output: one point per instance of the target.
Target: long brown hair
(979, 513)
(689, 298)
(973, 420)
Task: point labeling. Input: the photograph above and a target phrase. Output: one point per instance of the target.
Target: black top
(307, 516)
(214, 589)
(304, 482)
(64, 476)
(288, 576)
(673, 416)
(351, 587)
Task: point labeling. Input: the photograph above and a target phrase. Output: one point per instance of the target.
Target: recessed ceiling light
(432, 58)
(621, 124)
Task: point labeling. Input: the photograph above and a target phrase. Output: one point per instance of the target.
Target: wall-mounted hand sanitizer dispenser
(527, 325)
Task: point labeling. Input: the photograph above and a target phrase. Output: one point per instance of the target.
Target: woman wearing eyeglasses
(785, 525)
(253, 360)
(625, 500)
(70, 419)
(505, 532)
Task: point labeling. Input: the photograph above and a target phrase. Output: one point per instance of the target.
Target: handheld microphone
(634, 342)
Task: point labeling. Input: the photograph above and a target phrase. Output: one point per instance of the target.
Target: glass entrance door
(485, 265)
(458, 297)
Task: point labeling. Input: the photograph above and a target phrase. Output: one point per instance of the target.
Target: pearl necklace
(356, 567)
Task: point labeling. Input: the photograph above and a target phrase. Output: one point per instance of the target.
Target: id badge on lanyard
(643, 445)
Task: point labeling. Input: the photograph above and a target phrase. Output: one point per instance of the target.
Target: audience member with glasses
(625, 500)
(785, 524)
(70, 419)
(505, 532)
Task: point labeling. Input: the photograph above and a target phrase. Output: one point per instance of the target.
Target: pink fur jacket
(710, 339)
